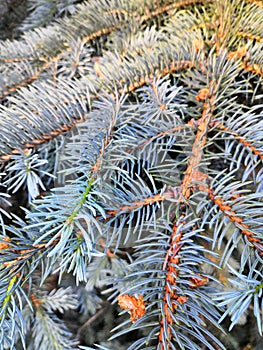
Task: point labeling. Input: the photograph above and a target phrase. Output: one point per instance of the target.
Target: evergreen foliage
(131, 171)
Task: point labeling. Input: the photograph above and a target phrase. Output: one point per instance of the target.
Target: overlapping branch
(43, 63)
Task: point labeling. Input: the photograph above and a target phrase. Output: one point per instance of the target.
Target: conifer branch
(256, 242)
(58, 118)
(36, 142)
(151, 119)
(252, 68)
(256, 2)
(242, 139)
(43, 64)
(7, 90)
(192, 172)
(144, 202)
(243, 54)
(250, 36)
(171, 68)
(171, 299)
(172, 6)
(172, 131)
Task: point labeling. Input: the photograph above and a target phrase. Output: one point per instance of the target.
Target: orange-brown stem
(141, 203)
(259, 3)
(36, 302)
(250, 36)
(93, 36)
(242, 140)
(192, 171)
(170, 266)
(108, 251)
(253, 68)
(45, 138)
(170, 7)
(172, 260)
(169, 69)
(47, 64)
(237, 220)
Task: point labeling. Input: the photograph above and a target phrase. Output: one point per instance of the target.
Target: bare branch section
(252, 68)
